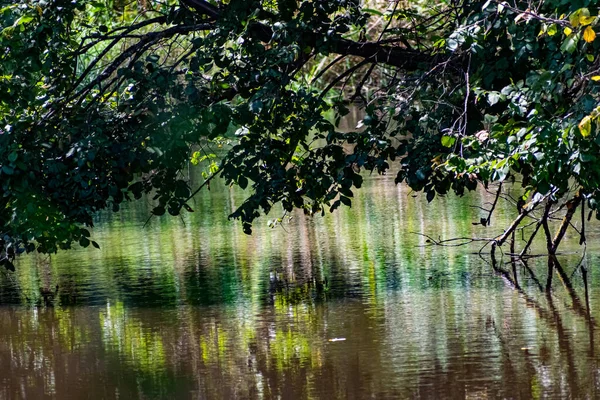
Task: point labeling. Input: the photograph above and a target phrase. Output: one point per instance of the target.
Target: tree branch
(409, 60)
(571, 208)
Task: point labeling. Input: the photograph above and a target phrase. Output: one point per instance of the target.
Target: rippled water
(351, 305)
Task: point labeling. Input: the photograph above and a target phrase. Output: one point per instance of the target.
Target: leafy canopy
(103, 101)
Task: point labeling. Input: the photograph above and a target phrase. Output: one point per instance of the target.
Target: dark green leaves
(99, 107)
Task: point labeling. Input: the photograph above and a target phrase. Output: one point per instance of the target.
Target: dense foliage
(103, 101)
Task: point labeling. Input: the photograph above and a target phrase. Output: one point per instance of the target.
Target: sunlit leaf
(589, 35)
(575, 18)
(585, 126)
(583, 20)
(448, 141)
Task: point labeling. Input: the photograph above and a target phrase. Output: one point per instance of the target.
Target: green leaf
(372, 11)
(448, 141)
(243, 182)
(493, 98)
(346, 201)
(158, 211)
(430, 196)
(543, 187)
(501, 173)
(23, 20)
(569, 45)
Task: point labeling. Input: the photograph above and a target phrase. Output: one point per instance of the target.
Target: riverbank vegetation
(104, 102)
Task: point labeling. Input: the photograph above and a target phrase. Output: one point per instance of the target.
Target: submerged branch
(450, 242)
(552, 243)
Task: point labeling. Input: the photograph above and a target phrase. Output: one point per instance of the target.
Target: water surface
(352, 305)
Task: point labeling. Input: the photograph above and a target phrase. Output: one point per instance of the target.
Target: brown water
(351, 306)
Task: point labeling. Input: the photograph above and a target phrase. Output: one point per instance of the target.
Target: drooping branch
(203, 7)
(328, 66)
(131, 51)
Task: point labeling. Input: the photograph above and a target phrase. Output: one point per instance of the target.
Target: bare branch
(571, 208)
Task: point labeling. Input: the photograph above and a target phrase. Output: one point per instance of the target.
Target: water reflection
(197, 309)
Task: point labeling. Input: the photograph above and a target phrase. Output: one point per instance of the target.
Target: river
(352, 305)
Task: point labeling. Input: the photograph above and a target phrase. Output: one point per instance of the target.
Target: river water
(352, 305)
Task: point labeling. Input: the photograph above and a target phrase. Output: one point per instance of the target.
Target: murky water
(351, 305)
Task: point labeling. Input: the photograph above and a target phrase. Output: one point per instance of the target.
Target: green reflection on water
(195, 308)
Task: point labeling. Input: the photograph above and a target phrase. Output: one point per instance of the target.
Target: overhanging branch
(375, 52)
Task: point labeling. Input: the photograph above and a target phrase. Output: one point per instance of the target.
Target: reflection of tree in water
(10, 292)
(209, 285)
(142, 286)
(254, 315)
(553, 319)
(54, 353)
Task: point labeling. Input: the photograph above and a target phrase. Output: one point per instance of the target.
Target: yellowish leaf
(590, 57)
(585, 126)
(542, 30)
(583, 20)
(568, 31)
(589, 35)
(574, 19)
(552, 29)
(595, 78)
